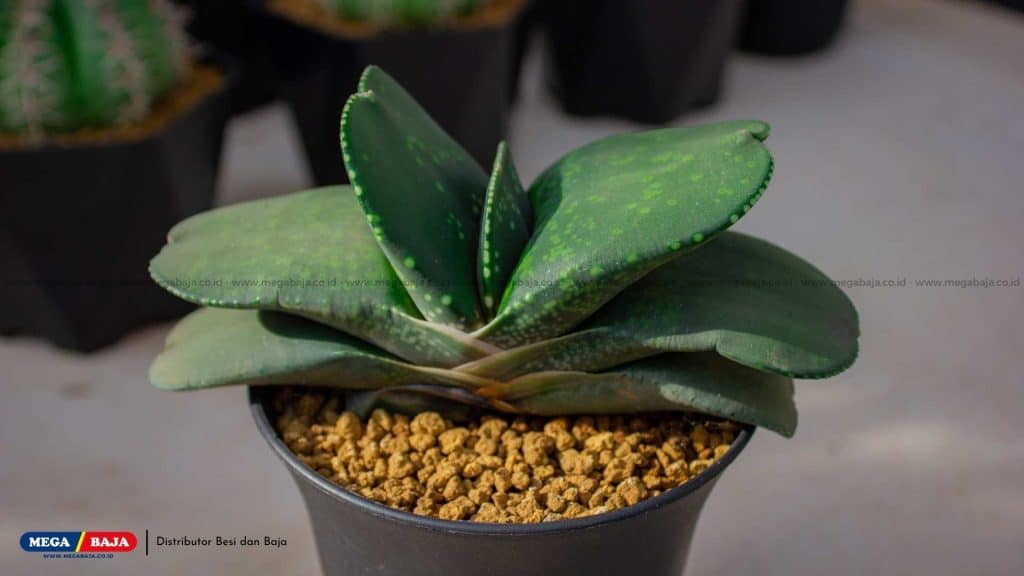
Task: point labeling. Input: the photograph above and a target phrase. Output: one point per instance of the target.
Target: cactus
(408, 11)
(610, 285)
(66, 65)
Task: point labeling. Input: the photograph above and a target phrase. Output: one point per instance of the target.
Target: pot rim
(258, 395)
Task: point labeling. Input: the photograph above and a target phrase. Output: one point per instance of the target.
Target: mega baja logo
(91, 544)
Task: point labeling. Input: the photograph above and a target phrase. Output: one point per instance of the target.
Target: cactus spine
(72, 64)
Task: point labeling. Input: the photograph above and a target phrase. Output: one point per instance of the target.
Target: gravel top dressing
(500, 468)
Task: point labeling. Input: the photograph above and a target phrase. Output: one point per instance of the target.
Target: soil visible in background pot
(500, 468)
(458, 70)
(789, 27)
(644, 60)
(82, 213)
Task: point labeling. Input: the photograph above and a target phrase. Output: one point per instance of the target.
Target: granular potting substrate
(500, 468)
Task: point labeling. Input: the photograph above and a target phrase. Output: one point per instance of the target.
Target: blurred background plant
(72, 64)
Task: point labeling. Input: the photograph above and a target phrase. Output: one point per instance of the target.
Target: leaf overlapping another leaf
(309, 254)
(609, 286)
(612, 211)
(422, 195)
(750, 301)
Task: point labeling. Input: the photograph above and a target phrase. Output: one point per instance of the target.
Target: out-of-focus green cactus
(610, 285)
(410, 11)
(71, 64)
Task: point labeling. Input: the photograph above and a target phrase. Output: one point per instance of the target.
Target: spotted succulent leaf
(422, 194)
(746, 299)
(620, 289)
(309, 254)
(608, 213)
(505, 229)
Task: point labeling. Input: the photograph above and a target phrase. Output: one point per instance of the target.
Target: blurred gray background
(900, 155)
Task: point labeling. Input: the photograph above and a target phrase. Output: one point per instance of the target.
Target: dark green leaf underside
(422, 195)
(608, 213)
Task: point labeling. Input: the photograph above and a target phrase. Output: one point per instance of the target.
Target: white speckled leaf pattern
(219, 347)
(422, 195)
(612, 211)
(309, 254)
(505, 229)
(748, 300)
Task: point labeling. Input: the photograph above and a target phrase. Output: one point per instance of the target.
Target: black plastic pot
(80, 222)
(644, 60)
(233, 28)
(790, 27)
(357, 536)
(458, 73)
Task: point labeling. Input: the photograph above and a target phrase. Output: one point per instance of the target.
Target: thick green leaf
(748, 300)
(610, 212)
(505, 229)
(309, 254)
(700, 382)
(422, 194)
(220, 347)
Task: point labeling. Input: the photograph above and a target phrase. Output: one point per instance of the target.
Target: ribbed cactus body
(72, 64)
(410, 11)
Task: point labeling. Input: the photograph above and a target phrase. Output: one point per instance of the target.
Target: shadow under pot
(644, 60)
(82, 214)
(355, 535)
(791, 27)
(458, 70)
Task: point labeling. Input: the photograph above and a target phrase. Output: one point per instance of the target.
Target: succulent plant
(609, 286)
(72, 64)
(409, 11)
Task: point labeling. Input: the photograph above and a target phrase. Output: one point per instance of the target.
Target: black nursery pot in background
(79, 223)
(459, 72)
(234, 28)
(790, 27)
(644, 60)
(357, 536)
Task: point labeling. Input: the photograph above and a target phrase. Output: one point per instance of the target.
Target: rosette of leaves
(610, 285)
(66, 65)
(406, 11)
